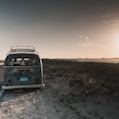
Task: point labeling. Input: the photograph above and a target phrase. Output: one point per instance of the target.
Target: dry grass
(103, 76)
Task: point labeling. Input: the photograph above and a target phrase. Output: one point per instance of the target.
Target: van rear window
(23, 62)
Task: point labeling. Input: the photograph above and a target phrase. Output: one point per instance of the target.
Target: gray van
(23, 69)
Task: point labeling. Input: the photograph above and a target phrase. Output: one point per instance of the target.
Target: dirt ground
(74, 90)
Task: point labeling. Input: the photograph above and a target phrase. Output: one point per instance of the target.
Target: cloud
(98, 45)
(84, 41)
(86, 38)
(114, 15)
(85, 44)
(81, 36)
(111, 19)
(88, 43)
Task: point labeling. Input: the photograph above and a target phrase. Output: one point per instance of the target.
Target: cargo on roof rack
(22, 49)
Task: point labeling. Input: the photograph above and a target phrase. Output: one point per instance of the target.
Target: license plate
(23, 79)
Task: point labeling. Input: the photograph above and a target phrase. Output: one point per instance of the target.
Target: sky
(61, 28)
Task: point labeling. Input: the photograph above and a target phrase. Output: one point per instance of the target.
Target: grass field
(103, 76)
(89, 89)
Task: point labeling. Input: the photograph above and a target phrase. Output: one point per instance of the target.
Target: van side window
(11, 62)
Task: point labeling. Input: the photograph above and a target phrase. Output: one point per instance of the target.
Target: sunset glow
(61, 29)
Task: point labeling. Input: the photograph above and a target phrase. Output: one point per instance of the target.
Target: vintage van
(23, 69)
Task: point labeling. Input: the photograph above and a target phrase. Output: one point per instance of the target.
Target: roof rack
(22, 49)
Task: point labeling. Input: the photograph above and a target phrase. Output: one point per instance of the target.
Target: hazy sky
(61, 28)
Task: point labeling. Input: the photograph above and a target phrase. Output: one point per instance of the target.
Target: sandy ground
(65, 96)
(27, 105)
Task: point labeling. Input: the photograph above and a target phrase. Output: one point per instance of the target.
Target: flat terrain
(74, 90)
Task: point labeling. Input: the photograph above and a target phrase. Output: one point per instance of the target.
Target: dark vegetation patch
(83, 78)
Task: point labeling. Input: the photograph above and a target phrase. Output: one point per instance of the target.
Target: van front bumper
(23, 86)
